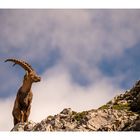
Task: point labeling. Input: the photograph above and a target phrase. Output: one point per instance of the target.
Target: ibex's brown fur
(24, 96)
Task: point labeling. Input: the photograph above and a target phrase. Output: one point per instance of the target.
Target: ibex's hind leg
(17, 116)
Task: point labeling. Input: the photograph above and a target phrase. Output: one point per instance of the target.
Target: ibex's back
(24, 96)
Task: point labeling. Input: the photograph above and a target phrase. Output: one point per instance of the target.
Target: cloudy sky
(85, 58)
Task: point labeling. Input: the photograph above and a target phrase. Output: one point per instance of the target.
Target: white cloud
(93, 32)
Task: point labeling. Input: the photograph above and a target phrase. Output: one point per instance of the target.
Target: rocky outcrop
(120, 114)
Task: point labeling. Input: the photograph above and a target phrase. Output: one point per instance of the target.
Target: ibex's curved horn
(23, 64)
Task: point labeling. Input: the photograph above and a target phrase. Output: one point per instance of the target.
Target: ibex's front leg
(22, 117)
(26, 114)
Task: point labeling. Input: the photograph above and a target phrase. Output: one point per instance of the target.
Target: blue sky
(85, 57)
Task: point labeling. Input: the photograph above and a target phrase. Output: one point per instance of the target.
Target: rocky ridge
(122, 113)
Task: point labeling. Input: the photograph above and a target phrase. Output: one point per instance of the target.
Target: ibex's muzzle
(38, 79)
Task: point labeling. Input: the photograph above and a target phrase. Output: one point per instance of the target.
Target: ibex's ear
(26, 74)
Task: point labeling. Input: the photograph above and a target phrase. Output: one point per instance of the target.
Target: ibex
(22, 105)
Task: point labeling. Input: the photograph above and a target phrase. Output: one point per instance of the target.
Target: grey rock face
(120, 114)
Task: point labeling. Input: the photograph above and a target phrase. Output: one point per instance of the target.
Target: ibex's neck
(26, 87)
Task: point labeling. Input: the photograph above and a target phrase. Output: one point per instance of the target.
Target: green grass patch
(121, 107)
(117, 106)
(80, 116)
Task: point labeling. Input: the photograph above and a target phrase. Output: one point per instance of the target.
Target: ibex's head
(30, 73)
